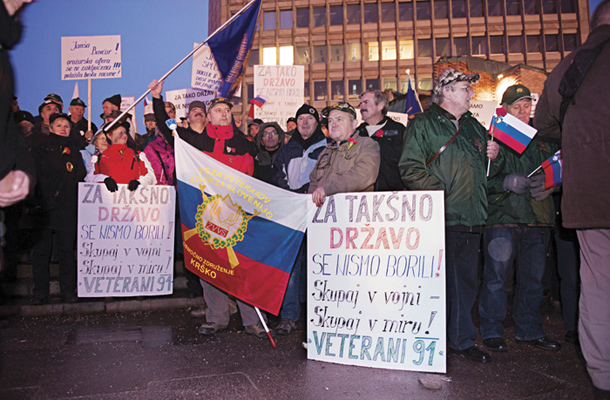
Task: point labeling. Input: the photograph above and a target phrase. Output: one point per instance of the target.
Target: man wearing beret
(517, 232)
(447, 149)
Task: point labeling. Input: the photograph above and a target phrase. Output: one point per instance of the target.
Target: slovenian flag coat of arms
(239, 234)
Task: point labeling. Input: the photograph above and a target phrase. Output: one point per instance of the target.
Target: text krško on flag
(553, 168)
(511, 131)
(231, 48)
(240, 234)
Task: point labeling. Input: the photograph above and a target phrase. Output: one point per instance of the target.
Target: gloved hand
(133, 185)
(516, 183)
(537, 188)
(111, 184)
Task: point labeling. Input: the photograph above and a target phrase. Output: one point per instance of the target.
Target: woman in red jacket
(121, 163)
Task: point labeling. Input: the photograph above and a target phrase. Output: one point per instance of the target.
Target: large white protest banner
(483, 110)
(205, 74)
(181, 98)
(125, 241)
(90, 57)
(376, 281)
(282, 87)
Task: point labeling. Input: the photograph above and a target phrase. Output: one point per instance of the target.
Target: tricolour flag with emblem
(240, 234)
(511, 131)
(552, 167)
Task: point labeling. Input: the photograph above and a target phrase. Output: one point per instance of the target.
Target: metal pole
(110, 125)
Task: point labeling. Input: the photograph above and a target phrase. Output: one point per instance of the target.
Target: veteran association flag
(240, 234)
(511, 131)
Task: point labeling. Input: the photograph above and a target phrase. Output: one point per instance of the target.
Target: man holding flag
(517, 231)
(220, 140)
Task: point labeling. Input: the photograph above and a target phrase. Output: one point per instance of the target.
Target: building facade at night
(348, 46)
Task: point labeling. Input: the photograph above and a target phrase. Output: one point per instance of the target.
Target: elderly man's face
(307, 125)
(341, 125)
(291, 125)
(77, 112)
(369, 109)
(196, 115)
(459, 95)
(47, 111)
(60, 127)
(220, 115)
(270, 139)
(107, 107)
(521, 109)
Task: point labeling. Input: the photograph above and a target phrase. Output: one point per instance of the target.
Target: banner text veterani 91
(376, 281)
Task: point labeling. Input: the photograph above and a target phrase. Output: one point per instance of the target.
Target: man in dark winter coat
(269, 141)
(387, 133)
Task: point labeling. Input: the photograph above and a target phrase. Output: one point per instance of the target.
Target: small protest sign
(483, 110)
(282, 86)
(181, 98)
(90, 57)
(376, 281)
(125, 241)
(205, 74)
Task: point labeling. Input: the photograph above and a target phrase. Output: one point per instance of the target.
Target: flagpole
(89, 104)
(260, 316)
(111, 124)
(492, 128)
(534, 171)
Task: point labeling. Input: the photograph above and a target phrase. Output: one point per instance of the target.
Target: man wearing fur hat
(447, 149)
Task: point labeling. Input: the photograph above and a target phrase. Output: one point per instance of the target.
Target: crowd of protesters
(500, 210)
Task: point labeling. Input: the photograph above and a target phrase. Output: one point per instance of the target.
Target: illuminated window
(424, 84)
(302, 55)
(406, 49)
(269, 21)
(353, 52)
(336, 53)
(269, 56)
(286, 55)
(388, 50)
(390, 83)
(373, 51)
(319, 54)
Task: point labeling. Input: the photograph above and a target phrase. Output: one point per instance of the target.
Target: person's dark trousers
(525, 248)
(12, 215)
(43, 242)
(462, 249)
(568, 267)
(193, 285)
(297, 286)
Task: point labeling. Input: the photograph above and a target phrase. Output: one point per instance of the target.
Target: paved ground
(160, 355)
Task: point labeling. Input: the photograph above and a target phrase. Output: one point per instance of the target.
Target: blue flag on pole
(231, 48)
(413, 106)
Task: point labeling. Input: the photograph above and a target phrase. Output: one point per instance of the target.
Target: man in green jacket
(447, 149)
(517, 232)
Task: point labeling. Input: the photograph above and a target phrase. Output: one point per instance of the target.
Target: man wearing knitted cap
(223, 142)
(291, 170)
(446, 148)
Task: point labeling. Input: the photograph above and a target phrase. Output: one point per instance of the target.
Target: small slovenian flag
(258, 101)
(511, 131)
(552, 170)
(145, 102)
